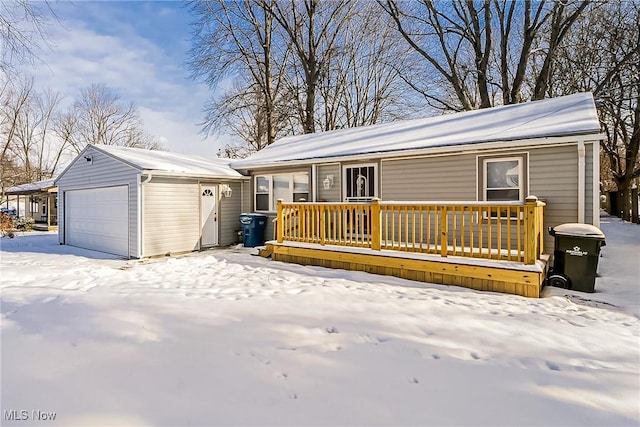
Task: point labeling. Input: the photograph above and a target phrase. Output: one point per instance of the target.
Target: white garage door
(97, 219)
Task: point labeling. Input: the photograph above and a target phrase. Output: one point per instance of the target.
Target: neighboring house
(36, 200)
(140, 203)
(547, 148)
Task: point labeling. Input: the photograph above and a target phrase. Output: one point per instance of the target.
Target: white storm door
(209, 215)
(98, 219)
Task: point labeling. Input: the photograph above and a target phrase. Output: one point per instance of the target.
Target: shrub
(24, 224)
(6, 225)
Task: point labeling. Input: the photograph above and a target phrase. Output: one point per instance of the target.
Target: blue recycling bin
(253, 226)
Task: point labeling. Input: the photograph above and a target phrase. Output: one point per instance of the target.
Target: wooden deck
(484, 246)
(483, 275)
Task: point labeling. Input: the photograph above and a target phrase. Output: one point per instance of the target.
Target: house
(36, 200)
(455, 185)
(141, 203)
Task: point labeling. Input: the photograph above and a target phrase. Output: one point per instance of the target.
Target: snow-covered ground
(226, 338)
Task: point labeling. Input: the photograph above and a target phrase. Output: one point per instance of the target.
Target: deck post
(444, 226)
(280, 223)
(531, 230)
(376, 221)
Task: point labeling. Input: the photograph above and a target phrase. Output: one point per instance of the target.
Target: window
(263, 186)
(503, 179)
(360, 182)
(290, 187)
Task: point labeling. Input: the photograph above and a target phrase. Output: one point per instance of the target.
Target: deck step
(265, 251)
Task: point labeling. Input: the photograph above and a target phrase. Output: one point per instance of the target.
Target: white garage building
(140, 203)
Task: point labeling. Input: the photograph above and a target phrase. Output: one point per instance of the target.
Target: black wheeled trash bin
(575, 256)
(253, 226)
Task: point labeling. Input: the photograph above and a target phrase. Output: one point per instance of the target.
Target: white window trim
(269, 178)
(360, 165)
(521, 177)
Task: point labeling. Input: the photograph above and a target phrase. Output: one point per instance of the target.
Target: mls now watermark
(26, 415)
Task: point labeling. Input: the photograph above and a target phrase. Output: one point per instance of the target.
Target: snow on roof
(567, 115)
(164, 161)
(31, 187)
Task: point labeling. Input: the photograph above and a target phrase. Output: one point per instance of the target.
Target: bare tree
(15, 100)
(313, 28)
(619, 93)
(35, 145)
(235, 40)
(362, 84)
(602, 55)
(22, 32)
(103, 119)
(476, 63)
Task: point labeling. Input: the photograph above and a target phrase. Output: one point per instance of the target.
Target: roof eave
(471, 146)
(19, 192)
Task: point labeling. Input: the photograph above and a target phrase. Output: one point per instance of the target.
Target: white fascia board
(448, 149)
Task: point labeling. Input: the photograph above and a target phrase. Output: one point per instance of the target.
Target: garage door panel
(97, 219)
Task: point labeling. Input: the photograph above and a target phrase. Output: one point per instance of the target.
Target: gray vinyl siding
(103, 171)
(171, 219)
(553, 177)
(332, 194)
(270, 229)
(588, 176)
(229, 209)
(430, 178)
(247, 196)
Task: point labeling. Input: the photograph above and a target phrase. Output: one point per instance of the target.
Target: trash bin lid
(580, 230)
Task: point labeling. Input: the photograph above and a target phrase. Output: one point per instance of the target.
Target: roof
(171, 163)
(562, 116)
(32, 187)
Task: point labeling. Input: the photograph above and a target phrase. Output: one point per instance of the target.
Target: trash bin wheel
(558, 280)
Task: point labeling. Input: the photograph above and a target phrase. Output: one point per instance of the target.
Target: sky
(138, 49)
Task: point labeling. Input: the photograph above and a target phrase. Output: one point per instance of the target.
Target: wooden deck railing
(510, 231)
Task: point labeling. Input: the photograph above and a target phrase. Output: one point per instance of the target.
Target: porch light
(226, 190)
(327, 183)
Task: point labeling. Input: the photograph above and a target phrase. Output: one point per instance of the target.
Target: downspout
(581, 180)
(596, 183)
(147, 178)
